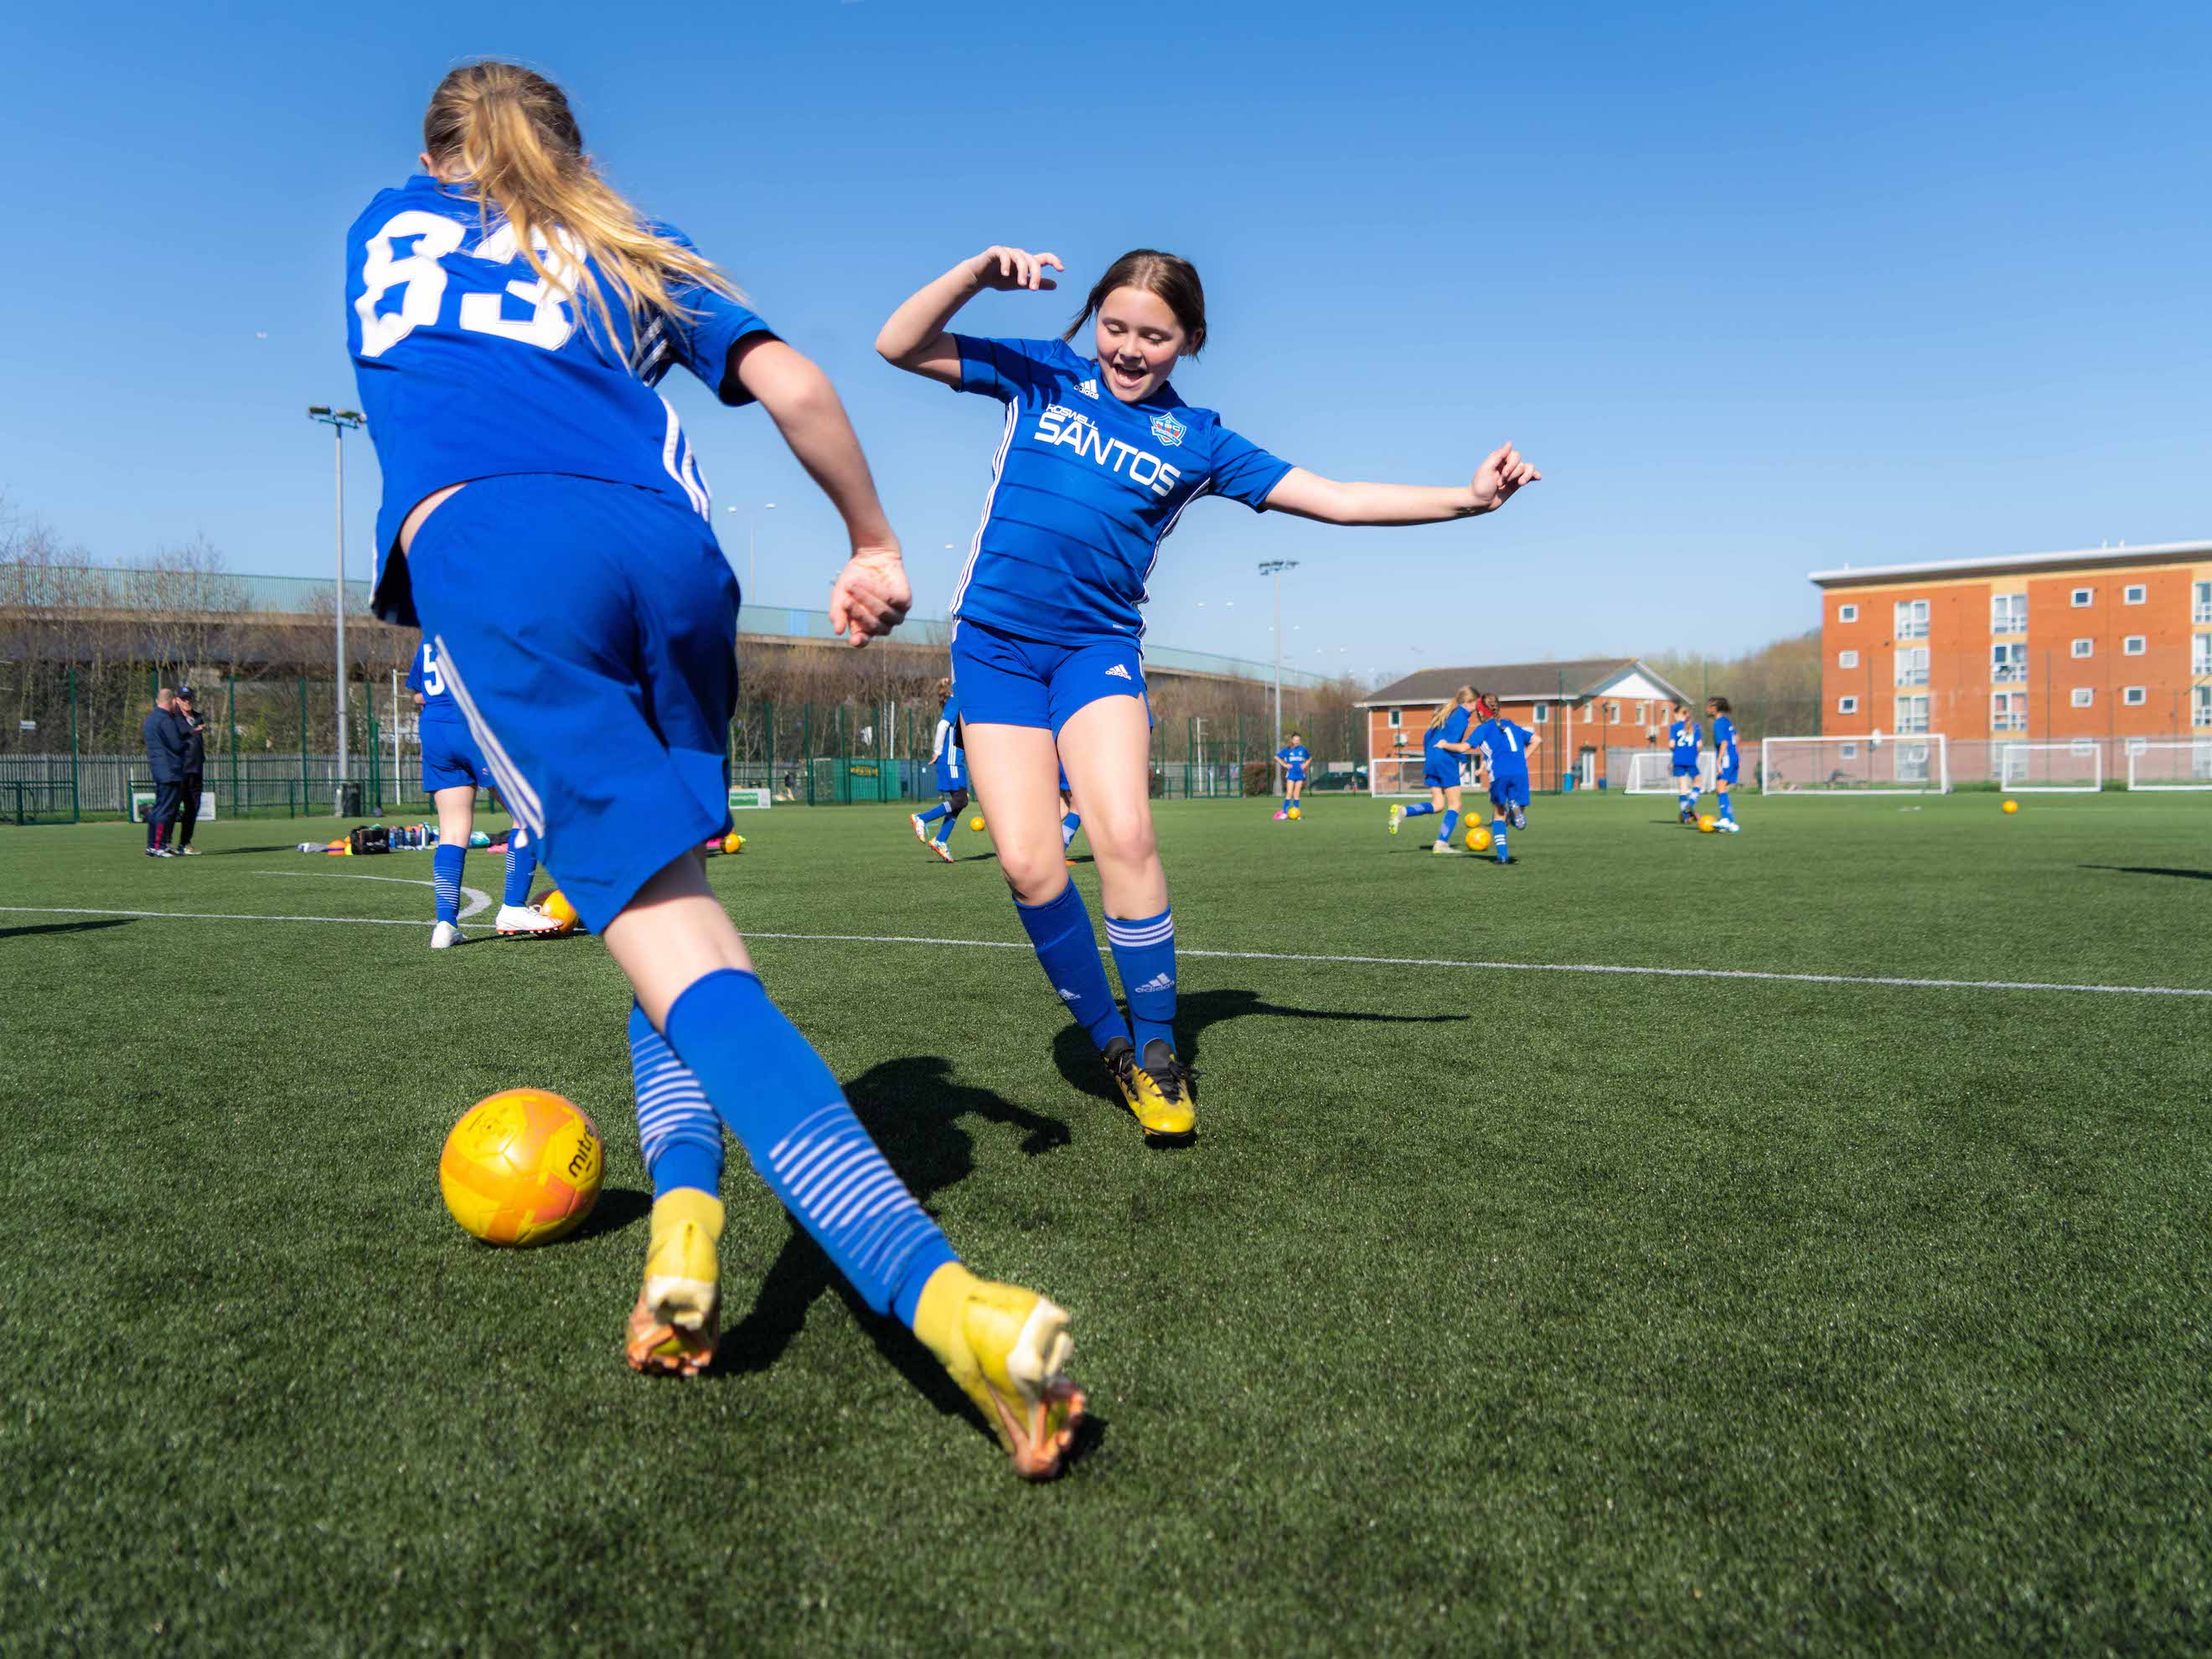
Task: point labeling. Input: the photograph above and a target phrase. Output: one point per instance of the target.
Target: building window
(1543, 714)
(2008, 711)
(1643, 714)
(2084, 598)
(2135, 696)
(1848, 751)
(1847, 705)
(2135, 645)
(1850, 612)
(2134, 593)
(1912, 714)
(1912, 665)
(2083, 648)
(2008, 663)
(2201, 607)
(1847, 659)
(2200, 654)
(1912, 762)
(2083, 696)
(2200, 705)
(1613, 714)
(1912, 619)
(2009, 613)
(1397, 718)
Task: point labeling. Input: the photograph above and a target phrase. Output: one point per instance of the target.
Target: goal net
(2047, 769)
(1919, 764)
(2170, 765)
(1651, 772)
(1395, 775)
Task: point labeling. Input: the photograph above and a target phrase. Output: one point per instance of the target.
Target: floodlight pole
(752, 542)
(340, 421)
(1275, 567)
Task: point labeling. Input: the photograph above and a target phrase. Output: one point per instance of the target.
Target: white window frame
(1910, 716)
(2084, 649)
(1397, 719)
(1847, 705)
(1912, 665)
(2083, 696)
(1850, 613)
(1911, 619)
(2083, 597)
(2200, 653)
(1847, 659)
(2135, 645)
(2135, 696)
(2003, 715)
(2135, 593)
(2008, 665)
(1643, 714)
(2201, 602)
(2200, 705)
(2002, 617)
(1543, 714)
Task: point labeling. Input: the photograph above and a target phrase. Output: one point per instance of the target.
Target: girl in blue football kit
(951, 770)
(1726, 761)
(1097, 460)
(510, 315)
(1503, 748)
(1444, 747)
(1682, 744)
(1293, 757)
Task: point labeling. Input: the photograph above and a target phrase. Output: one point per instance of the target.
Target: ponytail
(508, 133)
(1464, 694)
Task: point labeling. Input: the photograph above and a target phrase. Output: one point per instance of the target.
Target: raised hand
(870, 595)
(1009, 268)
(1502, 472)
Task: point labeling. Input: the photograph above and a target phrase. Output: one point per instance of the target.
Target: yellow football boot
(673, 1327)
(1008, 1350)
(1397, 817)
(1159, 1097)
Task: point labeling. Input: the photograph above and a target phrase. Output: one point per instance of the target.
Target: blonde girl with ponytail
(1442, 744)
(545, 524)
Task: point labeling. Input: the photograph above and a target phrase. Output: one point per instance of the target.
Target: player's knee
(1120, 835)
(1034, 874)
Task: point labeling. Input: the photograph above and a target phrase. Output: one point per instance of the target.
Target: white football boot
(445, 935)
(514, 919)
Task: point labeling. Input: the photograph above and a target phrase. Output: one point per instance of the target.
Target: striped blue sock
(680, 1135)
(1498, 835)
(1068, 826)
(1068, 951)
(1419, 810)
(1445, 835)
(446, 879)
(1145, 955)
(521, 865)
(777, 1096)
(1728, 808)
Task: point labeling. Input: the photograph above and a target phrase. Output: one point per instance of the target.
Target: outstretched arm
(870, 595)
(915, 338)
(1331, 500)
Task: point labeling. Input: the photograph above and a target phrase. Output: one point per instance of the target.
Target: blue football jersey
(1724, 740)
(1507, 746)
(1294, 758)
(471, 367)
(1083, 489)
(422, 675)
(1683, 734)
(1453, 730)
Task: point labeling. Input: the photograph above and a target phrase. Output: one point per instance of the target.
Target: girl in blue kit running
(510, 315)
(1098, 458)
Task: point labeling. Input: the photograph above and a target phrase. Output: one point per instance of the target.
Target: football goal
(1395, 775)
(2169, 765)
(1919, 764)
(2050, 769)
(1651, 772)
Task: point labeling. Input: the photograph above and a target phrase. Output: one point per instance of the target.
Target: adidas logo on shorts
(1117, 673)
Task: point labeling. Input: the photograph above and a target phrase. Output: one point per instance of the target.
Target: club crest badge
(1167, 428)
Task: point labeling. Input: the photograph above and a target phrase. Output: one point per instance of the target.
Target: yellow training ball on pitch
(975, 822)
(555, 904)
(733, 843)
(1478, 838)
(1709, 823)
(2012, 806)
(521, 1167)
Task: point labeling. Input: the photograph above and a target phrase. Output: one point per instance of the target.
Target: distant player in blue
(1293, 757)
(1071, 821)
(1096, 462)
(1504, 750)
(453, 772)
(1682, 735)
(1727, 763)
(509, 314)
(951, 777)
(1444, 747)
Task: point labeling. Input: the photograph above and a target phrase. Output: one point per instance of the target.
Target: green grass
(1492, 1310)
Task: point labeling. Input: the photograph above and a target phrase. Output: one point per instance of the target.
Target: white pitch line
(477, 898)
(1893, 981)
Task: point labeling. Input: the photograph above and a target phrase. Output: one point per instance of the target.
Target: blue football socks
(680, 1135)
(1497, 838)
(1068, 826)
(945, 830)
(940, 811)
(1445, 835)
(1145, 954)
(780, 1100)
(521, 865)
(446, 879)
(1728, 808)
(1420, 809)
(1068, 951)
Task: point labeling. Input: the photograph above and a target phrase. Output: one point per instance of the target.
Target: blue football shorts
(588, 631)
(1727, 773)
(1440, 769)
(1003, 679)
(951, 779)
(1509, 791)
(451, 759)
(1682, 771)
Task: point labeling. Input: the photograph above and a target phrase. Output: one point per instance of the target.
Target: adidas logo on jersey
(1159, 982)
(1118, 672)
(1089, 388)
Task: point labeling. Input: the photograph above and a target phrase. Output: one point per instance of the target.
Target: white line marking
(1273, 956)
(476, 899)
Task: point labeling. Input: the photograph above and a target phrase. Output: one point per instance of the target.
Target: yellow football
(521, 1167)
(1294, 812)
(1478, 838)
(1708, 824)
(555, 904)
(2012, 806)
(733, 843)
(975, 822)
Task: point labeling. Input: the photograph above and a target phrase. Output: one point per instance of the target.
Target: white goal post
(1397, 774)
(1651, 772)
(2153, 765)
(1917, 763)
(2050, 769)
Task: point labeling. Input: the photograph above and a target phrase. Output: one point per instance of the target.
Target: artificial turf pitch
(1492, 1309)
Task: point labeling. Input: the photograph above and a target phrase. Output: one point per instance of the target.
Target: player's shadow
(619, 1207)
(914, 1108)
(65, 926)
(2151, 870)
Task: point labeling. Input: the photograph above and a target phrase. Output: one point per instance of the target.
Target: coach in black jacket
(164, 758)
(193, 725)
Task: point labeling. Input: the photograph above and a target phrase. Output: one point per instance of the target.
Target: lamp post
(1275, 567)
(752, 540)
(340, 421)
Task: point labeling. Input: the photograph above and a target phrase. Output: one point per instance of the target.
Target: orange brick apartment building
(2104, 645)
(1589, 714)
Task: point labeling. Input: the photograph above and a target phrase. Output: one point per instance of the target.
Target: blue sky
(1762, 289)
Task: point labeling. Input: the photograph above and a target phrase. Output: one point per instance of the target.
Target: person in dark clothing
(164, 757)
(193, 726)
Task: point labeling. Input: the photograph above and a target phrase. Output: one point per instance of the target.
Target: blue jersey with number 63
(470, 366)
